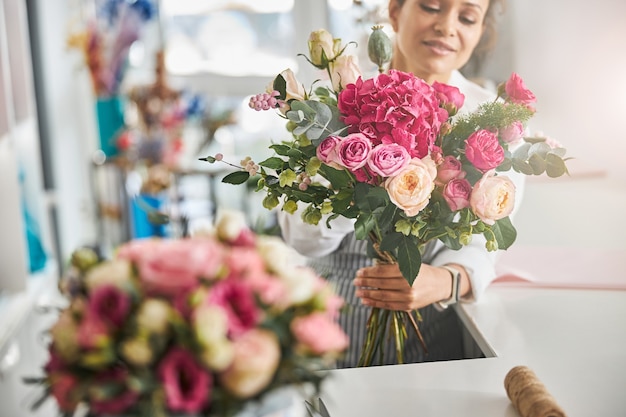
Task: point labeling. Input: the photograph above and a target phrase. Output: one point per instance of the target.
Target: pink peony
(393, 107)
(449, 169)
(116, 396)
(387, 159)
(517, 92)
(187, 385)
(451, 97)
(237, 299)
(493, 197)
(457, 193)
(110, 304)
(256, 358)
(483, 150)
(319, 334)
(353, 151)
(512, 133)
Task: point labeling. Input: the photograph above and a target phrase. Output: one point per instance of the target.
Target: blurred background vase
(110, 115)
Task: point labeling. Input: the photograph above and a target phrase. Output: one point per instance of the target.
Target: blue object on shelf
(110, 114)
(141, 227)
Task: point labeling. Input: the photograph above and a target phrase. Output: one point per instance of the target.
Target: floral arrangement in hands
(392, 153)
(204, 325)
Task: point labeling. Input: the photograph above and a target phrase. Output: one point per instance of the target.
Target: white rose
(229, 225)
(210, 324)
(274, 252)
(300, 283)
(115, 272)
(154, 316)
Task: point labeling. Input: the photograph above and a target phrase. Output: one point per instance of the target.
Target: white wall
(572, 54)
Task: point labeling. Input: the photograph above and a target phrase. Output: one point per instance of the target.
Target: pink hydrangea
(393, 107)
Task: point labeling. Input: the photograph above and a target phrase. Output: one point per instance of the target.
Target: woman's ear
(394, 10)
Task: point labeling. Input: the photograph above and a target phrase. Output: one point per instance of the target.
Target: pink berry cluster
(248, 164)
(265, 101)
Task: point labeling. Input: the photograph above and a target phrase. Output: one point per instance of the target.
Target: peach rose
(256, 358)
(411, 188)
(493, 197)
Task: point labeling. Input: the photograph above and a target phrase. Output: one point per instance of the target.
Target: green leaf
(522, 166)
(540, 148)
(409, 258)
(363, 225)
(338, 178)
(537, 163)
(385, 220)
(236, 178)
(274, 163)
(280, 149)
(555, 166)
(280, 85)
(505, 233)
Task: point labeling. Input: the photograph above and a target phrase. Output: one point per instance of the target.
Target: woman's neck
(400, 64)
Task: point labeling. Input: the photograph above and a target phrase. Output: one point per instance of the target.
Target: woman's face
(435, 37)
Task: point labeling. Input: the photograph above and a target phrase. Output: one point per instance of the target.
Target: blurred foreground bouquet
(392, 153)
(106, 40)
(201, 326)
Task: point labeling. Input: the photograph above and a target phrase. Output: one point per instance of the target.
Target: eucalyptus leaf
(522, 166)
(537, 163)
(555, 166)
(522, 151)
(540, 148)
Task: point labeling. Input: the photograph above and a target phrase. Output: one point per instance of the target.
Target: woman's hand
(383, 286)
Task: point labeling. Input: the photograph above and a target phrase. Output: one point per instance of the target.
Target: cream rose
(154, 316)
(295, 89)
(322, 47)
(116, 272)
(229, 225)
(256, 358)
(493, 197)
(411, 187)
(218, 355)
(210, 324)
(344, 70)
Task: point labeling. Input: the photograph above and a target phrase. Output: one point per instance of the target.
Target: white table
(574, 340)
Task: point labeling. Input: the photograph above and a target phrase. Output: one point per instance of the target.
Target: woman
(434, 38)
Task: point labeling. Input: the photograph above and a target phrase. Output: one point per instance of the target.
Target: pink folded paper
(562, 267)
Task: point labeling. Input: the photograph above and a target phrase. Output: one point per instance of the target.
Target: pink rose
(450, 97)
(256, 359)
(411, 187)
(93, 332)
(493, 197)
(175, 266)
(109, 304)
(517, 91)
(483, 150)
(117, 397)
(449, 169)
(457, 193)
(319, 334)
(353, 151)
(64, 388)
(393, 107)
(327, 151)
(512, 133)
(387, 159)
(187, 385)
(238, 301)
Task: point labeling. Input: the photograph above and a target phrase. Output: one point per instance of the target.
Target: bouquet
(393, 153)
(206, 326)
